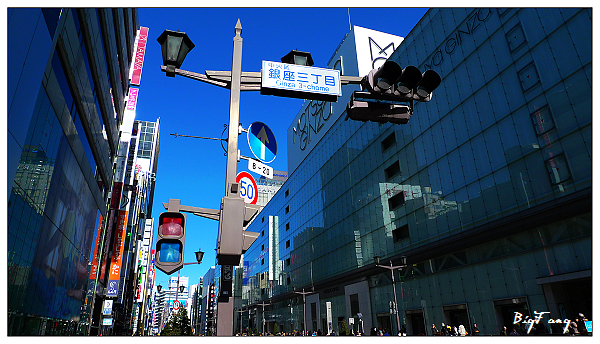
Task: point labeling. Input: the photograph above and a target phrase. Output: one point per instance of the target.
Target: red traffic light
(170, 242)
(171, 224)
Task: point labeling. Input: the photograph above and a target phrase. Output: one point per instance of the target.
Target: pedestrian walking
(514, 332)
(443, 330)
(434, 330)
(461, 330)
(475, 331)
(504, 331)
(580, 321)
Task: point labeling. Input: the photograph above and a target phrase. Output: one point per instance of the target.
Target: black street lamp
(392, 268)
(199, 256)
(296, 57)
(175, 46)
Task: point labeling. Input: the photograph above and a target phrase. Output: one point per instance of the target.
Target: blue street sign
(262, 142)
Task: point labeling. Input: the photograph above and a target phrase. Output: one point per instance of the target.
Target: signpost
(249, 189)
(262, 142)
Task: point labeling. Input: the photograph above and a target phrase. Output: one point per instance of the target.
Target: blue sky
(193, 170)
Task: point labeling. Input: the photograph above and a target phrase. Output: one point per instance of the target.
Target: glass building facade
(67, 80)
(486, 191)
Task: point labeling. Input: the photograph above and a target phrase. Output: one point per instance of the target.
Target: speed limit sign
(248, 187)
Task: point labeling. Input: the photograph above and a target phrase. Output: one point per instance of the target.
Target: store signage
(140, 51)
(107, 307)
(292, 77)
(132, 99)
(117, 258)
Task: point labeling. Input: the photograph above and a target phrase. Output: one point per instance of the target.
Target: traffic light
(170, 242)
(389, 92)
(233, 240)
(230, 239)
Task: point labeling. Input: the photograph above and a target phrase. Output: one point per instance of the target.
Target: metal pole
(395, 299)
(177, 290)
(304, 306)
(234, 108)
(225, 309)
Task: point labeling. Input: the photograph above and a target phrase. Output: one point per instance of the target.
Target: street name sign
(262, 142)
(298, 81)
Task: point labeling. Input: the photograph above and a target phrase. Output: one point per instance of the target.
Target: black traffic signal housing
(389, 92)
(170, 242)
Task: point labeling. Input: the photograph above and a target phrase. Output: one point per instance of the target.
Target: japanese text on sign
(301, 78)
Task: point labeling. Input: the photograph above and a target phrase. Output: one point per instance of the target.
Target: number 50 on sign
(248, 187)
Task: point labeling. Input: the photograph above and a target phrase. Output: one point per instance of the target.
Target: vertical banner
(104, 261)
(140, 51)
(94, 268)
(329, 321)
(115, 267)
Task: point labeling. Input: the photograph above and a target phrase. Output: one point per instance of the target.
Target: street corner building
(482, 201)
(81, 171)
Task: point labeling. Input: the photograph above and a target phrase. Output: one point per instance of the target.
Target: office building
(68, 84)
(486, 191)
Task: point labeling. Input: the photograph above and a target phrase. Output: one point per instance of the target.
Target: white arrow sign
(260, 168)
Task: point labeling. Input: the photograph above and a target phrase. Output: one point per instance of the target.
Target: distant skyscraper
(268, 187)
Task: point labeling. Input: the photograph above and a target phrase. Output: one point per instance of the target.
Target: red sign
(132, 100)
(139, 56)
(115, 267)
(94, 267)
(176, 305)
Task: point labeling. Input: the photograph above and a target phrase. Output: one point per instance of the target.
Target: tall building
(69, 78)
(138, 274)
(486, 191)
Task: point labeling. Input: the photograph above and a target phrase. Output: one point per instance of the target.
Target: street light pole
(234, 109)
(304, 293)
(263, 304)
(225, 310)
(392, 268)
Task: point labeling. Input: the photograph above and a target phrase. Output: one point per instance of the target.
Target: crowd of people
(575, 328)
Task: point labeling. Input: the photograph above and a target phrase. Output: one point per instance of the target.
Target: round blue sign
(262, 142)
